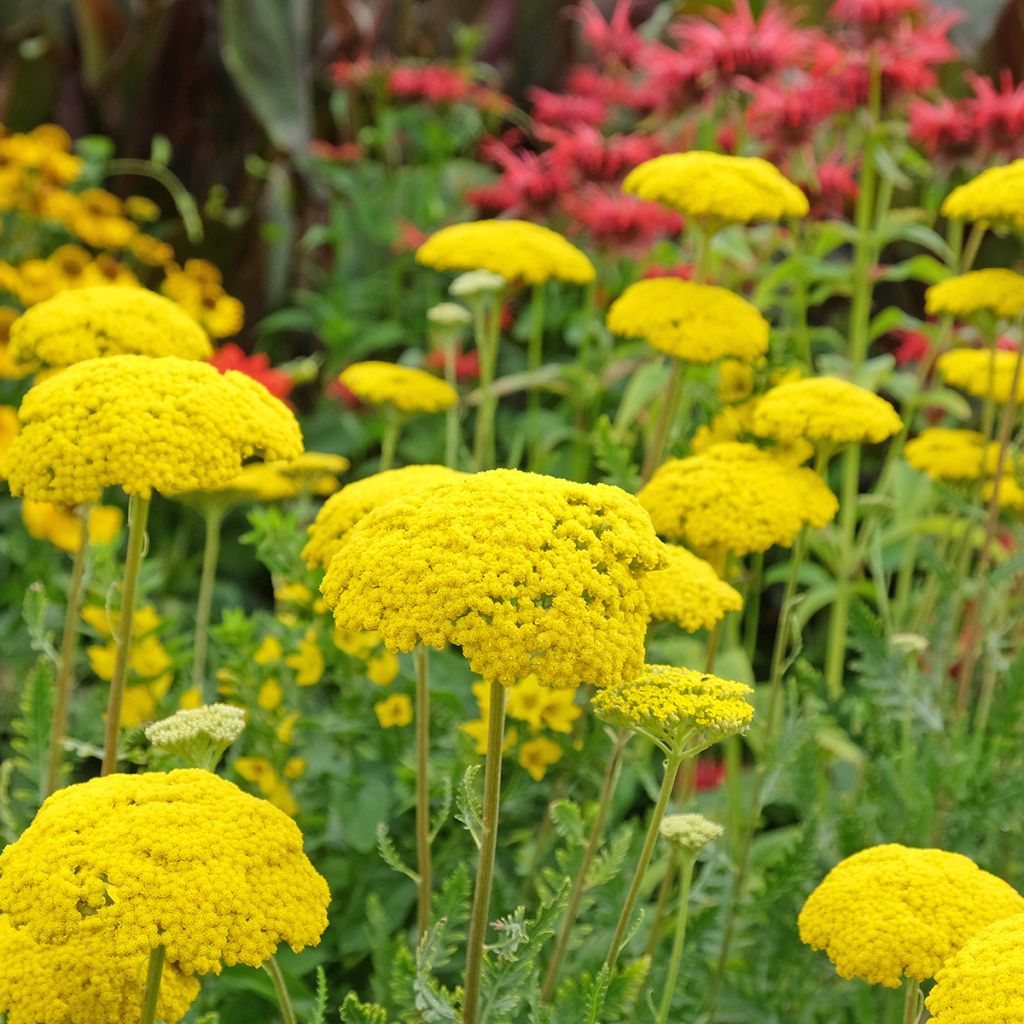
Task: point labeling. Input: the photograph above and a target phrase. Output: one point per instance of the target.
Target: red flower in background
(408, 237)
(785, 114)
(611, 40)
(942, 129)
(710, 774)
(877, 16)
(345, 153)
(997, 115)
(612, 218)
(584, 153)
(432, 82)
(912, 348)
(553, 108)
(833, 190)
(684, 271)
(257, 366)
(467, 365)
(353, 73)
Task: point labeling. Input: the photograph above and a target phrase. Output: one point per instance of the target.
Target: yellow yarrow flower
(526, 573)
(735, 381)
(87, 323)
(82, 980)
(346, 508)
(393, 710)
(981, 373)
(893, 911)
(724, 188)
(997, 194)
(689, 592)
(945, 453)
(183, 860)
(683, 711)
(999, 290)
(541, 707)
(62, 528)
(406, 388)
(825, 409)
(695, 323)
(144, 424)
(735, 497)
(1011, 493)
(516, 249)
(538, 755)
(736, 423)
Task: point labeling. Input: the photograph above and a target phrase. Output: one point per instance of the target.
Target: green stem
(666, 419)
(611, 778)
(389, 439)
(66, 668)
(183, 200)
(646, 852)
(152, 993)
(661, 903)
(138, 513)
(535, 357)
(488, 849)
(451, 423)
(752, 605)
(911, 1001)
(421, 657)
(273, 968)
(213, 517)
(678, 940)
(487, 333)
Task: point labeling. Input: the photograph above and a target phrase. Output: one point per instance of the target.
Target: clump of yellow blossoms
(86, 323)
(82, 980)
(62, 528)
(998, 289)
(981, 983)
(735, 497)
(1011, 493)
(892, 911)
(695, 323)
(393, 710)
(343, 510)
(825, 409)
(404, 387)
(9, 428)
(997, 194)
(683, 711)
(945, 453)
(272, 785)
(143, 424)
(980, 372)
(516, 249)
(183, 860)
(198, 290)
(689, 592)
(718, 187)
(736, 423)
(526, 573)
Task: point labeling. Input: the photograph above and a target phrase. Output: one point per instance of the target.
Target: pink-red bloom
(257, 366)
(609, 40)
(467, 364)
(618, 220)
(564, 109)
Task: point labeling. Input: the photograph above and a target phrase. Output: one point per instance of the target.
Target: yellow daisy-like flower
(981, 982)
(82, 980)
(1011, 493)
(538, 755)
(981, 373)
(404, 387)
(308, 661)
(735, 497)
(997, 194)
(541, 707)
(696, 323)
(825, 409)
(526, 573)
(346, 508)
(516, 249)
(999, 290)
(393, 710)
(183, 860)
(86, 323)
(893, 911)
(944, 453)
(689, 592)
(725, 188)
(680, 709)
(62, 528)
(144, 424)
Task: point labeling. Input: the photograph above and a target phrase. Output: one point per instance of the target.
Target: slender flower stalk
(66, 667)
(153, 977)
(486, 308)
(678, 939)
(273, 968)
(213, 518)
(389, 439)
(535, 358)
(451, 422)
(421, 658)
(913, 1001)
(488, 850)
(138, 513)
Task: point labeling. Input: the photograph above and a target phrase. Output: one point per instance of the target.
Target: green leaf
(470, 810)
(390, 855)
(354, 1012)
(319, 1014)
(568, 822)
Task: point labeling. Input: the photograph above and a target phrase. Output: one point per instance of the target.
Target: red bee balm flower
(257, 366)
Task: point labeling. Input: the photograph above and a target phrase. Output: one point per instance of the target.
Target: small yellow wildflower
(537, 755)
(406, 388)
(308, 661)
(191, 698)
(393, 710)
(294, 593)
(269, 696)
(285, 732)
(269, 651)
(294, 768)
(381, 669)
(63, 528)
(477, 729)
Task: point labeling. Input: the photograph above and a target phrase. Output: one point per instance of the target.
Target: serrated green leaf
(390, 855)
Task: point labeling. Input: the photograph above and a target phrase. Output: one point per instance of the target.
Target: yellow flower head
(85, 323)
(144, 424)
(696, 323)
(680, 709)
(981, 982)
(999, 290)
(541, 707)
(82, 980)
(735, 381)
(689, 592)
(308, 661)
(1011, 494)
(315, 472)
(981, 373)
(724, 188)
(735, 497)
(997, 194)
(406, 388)
(346, 508)
(825, 409)
(892, 911)
(183, 860)
(537, 755)
(515, 249)
(736, 423)
(63, 528)
(393, 710)
(944, 453)
(526, 573)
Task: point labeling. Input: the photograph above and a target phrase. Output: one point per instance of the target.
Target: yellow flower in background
(260, 771)
(294, 768)
(996, 289)
(315, 472)
(1011, 494)
(894, 911)
(191, 698)
(10, 369)
(689, 592)
(736, 423)
(980, 372)
(294, 593)
(541, 707)
(537, 755)
(141, 701)
(308, 661)
(269, 650)
(945, 453)
(9, 427)
(828, 409)
(197, 288)
(393, 710)
(144, 424)
(285, 732)
(357, 643)
(406, 388)
(63, 528)
(695, 323)
(381, 669)
(735, 381)
(144, 621)
(997, 194)
(270, 694)
(700, 184)
(96, 216)
(141, 208)
(477, 729)
(517, 250)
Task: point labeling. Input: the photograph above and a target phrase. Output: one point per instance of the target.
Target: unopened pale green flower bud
(449, 314)
(198, 735)
(690, 832)
(476, 282)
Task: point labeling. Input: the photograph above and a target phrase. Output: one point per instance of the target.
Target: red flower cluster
(467, 365)
(257, 366)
